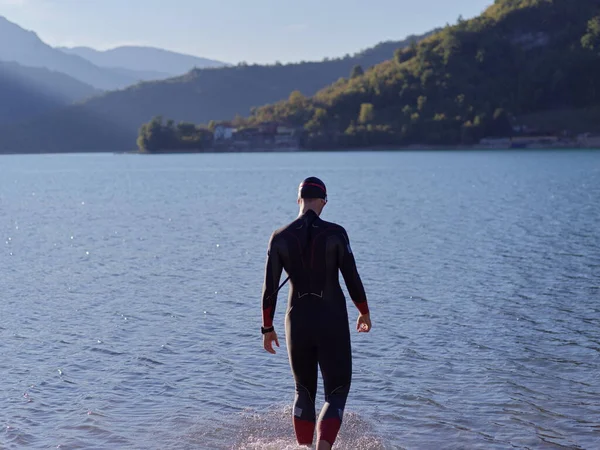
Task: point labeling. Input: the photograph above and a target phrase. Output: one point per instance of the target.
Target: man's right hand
(268, 339)
(363, 324)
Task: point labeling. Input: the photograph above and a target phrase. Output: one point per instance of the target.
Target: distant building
(268, 128)
(589, 140)
(267, 136)
(288, 136)
(537, 141)
(224, 131)
(286, 130)
(495, 142)
(248, 133)
(533, 141)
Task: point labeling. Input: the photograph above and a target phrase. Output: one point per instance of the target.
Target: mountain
(144, 60)
(519, 60)
(198, 96)
(140, 75)
(19, 101)
(26, 48)
(27, 91)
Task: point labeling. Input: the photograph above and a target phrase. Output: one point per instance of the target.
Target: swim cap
(312, 187)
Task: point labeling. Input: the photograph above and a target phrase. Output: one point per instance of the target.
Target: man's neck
(304, 209)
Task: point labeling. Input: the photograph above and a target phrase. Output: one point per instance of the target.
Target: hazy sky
(236, 30)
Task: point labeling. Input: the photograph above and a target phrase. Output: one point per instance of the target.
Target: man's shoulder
(339, 233)
(287, 227)
(333, 227)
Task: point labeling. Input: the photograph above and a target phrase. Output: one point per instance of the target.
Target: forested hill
(468, 81)
(111, 121)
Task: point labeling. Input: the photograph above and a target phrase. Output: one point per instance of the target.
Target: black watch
(264, 330)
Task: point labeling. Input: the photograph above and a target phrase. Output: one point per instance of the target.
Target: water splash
(273, 430)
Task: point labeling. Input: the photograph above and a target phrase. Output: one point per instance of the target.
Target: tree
(142, 139)
(151, 135)
(318, 121)
(238, 121)
(401, 55)
(296, 98)
(155, 136)
(414, 46)
(367, 113)
(186, 129)
(357, 71)
(591, 40)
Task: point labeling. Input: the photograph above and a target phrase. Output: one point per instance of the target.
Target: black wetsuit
(313, 252)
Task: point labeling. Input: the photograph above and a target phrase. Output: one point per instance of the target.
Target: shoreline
(380, 148)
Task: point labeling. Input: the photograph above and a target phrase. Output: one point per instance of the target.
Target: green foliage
(591, 40)
(357, 71)
(155, 136)
(318, 122)
(238, 121)
(367, 113)
(296, 98)
(402, 55)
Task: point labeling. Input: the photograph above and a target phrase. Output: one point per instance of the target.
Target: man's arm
(351, 277)
(273, 270)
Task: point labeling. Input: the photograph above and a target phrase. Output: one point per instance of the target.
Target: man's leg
(323, 445)
(303, 360)
(335, 359)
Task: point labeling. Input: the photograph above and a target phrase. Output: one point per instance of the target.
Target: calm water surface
(130, 299)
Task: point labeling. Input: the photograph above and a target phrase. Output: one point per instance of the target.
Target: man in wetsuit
(312, 252)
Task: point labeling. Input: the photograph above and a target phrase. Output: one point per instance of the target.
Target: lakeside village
(276, 136)
(273, 135)
(269, 135)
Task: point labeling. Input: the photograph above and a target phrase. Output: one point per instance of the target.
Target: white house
(224, 132)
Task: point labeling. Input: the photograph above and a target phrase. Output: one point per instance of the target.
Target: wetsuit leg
(304, 363)
(335, 359)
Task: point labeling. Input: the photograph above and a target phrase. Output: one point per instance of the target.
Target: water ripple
(131, 320)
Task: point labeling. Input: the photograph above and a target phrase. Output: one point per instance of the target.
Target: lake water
(130, 299)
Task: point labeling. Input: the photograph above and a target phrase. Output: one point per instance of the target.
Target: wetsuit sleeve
(351, 277)
(273, 270)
